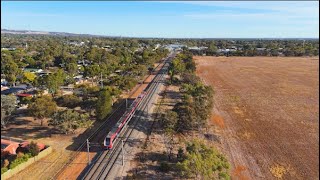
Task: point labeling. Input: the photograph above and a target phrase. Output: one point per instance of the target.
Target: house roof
(11, 90)
(24, 95)
(11, 146)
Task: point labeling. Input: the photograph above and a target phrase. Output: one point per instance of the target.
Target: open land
(266, 110)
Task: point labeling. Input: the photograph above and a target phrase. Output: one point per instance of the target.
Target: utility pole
(101, 80)
(122, 152)
(88, 152)
(126, 103)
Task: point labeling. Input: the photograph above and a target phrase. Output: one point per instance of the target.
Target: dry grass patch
(278, 170)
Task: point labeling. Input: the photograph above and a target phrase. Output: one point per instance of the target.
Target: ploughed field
(266, 113)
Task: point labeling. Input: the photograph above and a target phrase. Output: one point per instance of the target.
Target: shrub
(26, 100)
(33, 149)
(19, 160)
(70, 101)
(3, 170)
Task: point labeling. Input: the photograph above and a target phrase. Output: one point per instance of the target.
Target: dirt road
(269, 108)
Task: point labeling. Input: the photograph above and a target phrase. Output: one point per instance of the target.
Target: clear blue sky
(190, 19)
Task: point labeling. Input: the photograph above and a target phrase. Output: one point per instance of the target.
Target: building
(9, 147)
(33, 70)
(8, 49)
(13, 90)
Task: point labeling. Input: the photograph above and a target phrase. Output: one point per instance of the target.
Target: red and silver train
(115, 131)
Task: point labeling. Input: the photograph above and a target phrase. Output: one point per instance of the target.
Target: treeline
(258, 48)
(196, 160)
(197, 99)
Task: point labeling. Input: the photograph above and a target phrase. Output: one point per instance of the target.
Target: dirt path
(270, 111)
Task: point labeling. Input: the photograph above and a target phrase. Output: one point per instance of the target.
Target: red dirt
(270, 107)
(218, 120)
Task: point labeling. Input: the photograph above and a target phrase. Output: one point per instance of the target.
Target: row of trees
(197, 98)
(249, 47)
(197, 160)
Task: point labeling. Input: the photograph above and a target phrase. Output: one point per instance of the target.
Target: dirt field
(267, 109)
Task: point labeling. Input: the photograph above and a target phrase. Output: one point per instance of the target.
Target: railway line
(106, 159)
(98, 135)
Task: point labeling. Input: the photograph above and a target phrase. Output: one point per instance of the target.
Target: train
(124, 120)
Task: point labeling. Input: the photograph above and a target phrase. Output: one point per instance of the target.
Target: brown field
(267, 113)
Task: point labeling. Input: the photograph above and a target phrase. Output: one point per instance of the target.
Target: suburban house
(9, 147)
(33, 70)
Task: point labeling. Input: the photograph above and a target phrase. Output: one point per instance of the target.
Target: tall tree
(8, 105)
(104, 104)
(43, 107)
(11, 71)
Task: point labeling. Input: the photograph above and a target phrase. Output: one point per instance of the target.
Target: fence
(22, 166)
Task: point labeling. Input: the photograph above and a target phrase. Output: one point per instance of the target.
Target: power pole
(101, 80)
(126, 103)
(122, 152)
(88, 149)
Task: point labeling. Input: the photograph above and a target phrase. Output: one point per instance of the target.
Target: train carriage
(116, 130)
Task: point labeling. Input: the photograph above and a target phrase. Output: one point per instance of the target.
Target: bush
(70, 101)
(33, 149)
(19, 160)
(3, 170)
(164, 167)
(26, 100)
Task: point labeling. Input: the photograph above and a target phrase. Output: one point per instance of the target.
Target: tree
(92, 71)
(33, 148)
(11, 72)
(70, 101)
(8, 105)
(28, 77)
(55, 80)
(68, 120)
(169, 120)
(203, 162)
(43, 107)
(72, 69)
(104, 104)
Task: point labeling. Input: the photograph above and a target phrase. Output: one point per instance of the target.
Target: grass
(278, 171)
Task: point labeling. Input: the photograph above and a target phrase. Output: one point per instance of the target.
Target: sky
(167, 19)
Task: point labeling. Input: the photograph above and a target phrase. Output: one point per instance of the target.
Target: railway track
(106, 160)
(96, 136)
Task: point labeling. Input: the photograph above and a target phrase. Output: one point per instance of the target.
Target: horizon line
(121, 36)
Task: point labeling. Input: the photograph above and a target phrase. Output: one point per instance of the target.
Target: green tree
(28, 77)
(43, 107)
(55, 80)
(203, 162)
(70, 101)
(8, 105)
(169, 120)
(11, 71)
(104, 104)
(92, 71)
(68, 120)
(72, 69)
(33, 148)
